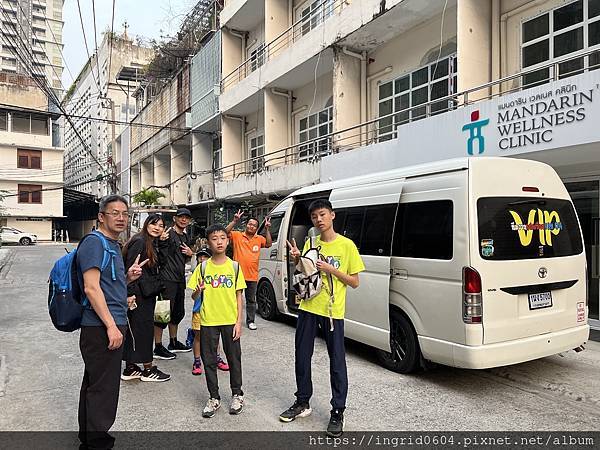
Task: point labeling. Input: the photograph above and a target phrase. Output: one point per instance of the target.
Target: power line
(112, 36)
(59, 48)
(87, 49)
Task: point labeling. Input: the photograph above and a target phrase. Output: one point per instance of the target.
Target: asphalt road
(42, 368)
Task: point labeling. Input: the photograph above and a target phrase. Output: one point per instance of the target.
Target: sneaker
(252, 326)
(197, 369)
(189, 340)
(237, 404)
(178, 347)
(211, 407)
(160, 352)
(153, 374)
(222, 365)
(131, 372)
(336, 423)
(294, 411)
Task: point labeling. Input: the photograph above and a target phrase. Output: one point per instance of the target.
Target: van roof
(404, 172)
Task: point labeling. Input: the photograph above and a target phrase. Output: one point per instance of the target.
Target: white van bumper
(503, 353)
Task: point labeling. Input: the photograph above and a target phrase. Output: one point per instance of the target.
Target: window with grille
(315, 13)
(30, 193)
(426, 84)
(257, 57)
(557, 34)
(3, 121)
(29, 159)
(256, 151)
(312, 127)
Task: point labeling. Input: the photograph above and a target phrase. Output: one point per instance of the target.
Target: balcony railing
(384, 128)
(316, 15)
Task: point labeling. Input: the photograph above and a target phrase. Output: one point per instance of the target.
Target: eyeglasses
(117, 214)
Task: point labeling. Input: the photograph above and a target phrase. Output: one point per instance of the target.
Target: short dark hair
(214, 228)
(318, 204)
(253, 218)
(104, 201)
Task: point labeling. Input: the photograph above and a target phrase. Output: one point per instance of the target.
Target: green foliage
(148, 197)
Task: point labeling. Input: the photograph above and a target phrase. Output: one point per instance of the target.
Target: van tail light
(587, 286)
(472, 298)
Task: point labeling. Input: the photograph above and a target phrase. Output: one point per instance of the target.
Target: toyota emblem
(543, 272)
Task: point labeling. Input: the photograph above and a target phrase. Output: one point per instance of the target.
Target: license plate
(540, 300)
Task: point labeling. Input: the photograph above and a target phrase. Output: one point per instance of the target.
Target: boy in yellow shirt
(343, 263)
(221, 316)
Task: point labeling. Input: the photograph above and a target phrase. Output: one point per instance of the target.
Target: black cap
(183, 212)
(204, 251)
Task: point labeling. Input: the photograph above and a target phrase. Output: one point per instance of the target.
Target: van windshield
(527, 228)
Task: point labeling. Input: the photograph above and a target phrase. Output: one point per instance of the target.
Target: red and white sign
(580, 312)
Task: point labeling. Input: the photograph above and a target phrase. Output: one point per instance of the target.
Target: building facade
(35, 26)
(31, 168)
(99, 93)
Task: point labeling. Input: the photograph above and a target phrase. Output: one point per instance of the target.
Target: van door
(372, 209)
(529, 253)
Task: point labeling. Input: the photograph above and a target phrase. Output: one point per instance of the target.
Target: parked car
(13, 236)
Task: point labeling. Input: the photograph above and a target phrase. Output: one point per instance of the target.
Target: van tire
(403, 341)
(265, 301)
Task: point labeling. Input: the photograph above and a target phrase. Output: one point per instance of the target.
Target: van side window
(275, 226)
(353, 224)
(376, 239)
(424, 230)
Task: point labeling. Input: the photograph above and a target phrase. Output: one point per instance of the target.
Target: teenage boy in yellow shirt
(221, 316)
(344, 263)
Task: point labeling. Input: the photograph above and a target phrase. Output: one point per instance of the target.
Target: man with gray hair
(101, 268)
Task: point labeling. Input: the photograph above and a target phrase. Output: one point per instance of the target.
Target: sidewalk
(4, 256)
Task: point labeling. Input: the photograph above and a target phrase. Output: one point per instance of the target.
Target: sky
(146, 18)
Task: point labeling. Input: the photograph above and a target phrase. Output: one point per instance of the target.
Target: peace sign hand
(165, 235)
(135, 271)
(294, 251)
(267, 222)
(238, 215)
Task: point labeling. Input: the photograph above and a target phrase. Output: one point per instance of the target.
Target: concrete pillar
(276, 22)
(277, 123)
(474, 45)
(231, 55)
(232, 144)
(180, 167)
(162, 175)
(201, 187)
(135, 179)
(146, 173)
(346, 96)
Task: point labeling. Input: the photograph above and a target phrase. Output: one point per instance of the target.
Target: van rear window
(527, 228)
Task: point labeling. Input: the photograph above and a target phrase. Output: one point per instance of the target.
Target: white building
(35, 25)
(31, 168)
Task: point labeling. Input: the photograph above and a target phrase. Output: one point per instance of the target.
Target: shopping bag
(162, 311)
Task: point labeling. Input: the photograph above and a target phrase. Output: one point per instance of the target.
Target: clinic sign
(558, 114)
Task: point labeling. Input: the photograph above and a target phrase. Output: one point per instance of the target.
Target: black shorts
(175, 292)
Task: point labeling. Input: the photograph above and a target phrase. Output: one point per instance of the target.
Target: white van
(473, 262)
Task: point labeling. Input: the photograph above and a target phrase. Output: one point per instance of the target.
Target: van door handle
(273, 254)
(399, 273)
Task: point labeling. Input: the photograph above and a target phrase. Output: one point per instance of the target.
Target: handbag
(150, 287)
(162, 311)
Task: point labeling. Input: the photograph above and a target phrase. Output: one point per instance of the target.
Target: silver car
(13, 236)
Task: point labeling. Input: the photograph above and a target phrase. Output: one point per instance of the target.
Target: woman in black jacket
(139, 339)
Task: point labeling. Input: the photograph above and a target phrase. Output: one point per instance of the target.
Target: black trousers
(175, 292)
(209, 340)
(306, 331)
(99, 393)
(250, 294)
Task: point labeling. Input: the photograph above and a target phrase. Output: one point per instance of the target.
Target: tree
(148, 197)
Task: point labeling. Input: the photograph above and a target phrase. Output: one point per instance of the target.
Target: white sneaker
(252, 326)
(211, 407)
(237, 404)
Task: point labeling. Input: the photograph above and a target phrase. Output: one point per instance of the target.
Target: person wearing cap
(175, 253)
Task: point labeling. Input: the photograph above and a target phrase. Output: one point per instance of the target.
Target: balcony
(391, 141)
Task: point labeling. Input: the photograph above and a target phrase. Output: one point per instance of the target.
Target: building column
(347, 93)
(276, 19)
(162, 174)
(180, 169)
(146, 173)
(277, 121)
(201, 187)
(232, 129)
(136, 184)
(232, 52)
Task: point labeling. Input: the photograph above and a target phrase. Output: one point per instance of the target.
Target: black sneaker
(336, 423)
(294, 411)
(178, 347)
(160, 352)
(131, 372)
(153, 374)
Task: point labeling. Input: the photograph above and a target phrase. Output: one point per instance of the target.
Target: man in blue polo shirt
(104, 323)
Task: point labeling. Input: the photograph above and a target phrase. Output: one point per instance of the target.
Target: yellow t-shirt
(343, 255)
(219, 306)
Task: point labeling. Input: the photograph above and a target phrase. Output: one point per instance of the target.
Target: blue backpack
(66, 299)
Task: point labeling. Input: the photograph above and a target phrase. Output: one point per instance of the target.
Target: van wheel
(266, 303)
(25, 241)
(405, 354)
